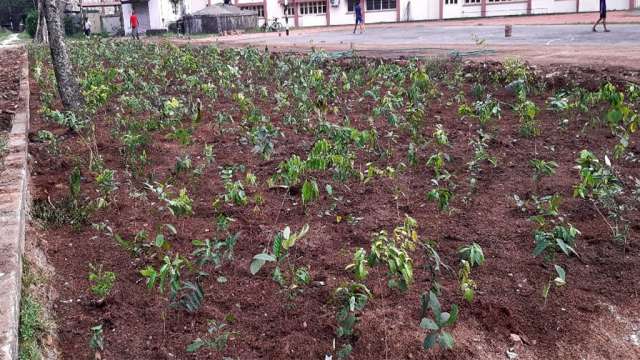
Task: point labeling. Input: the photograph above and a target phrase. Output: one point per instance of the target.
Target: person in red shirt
(134, 25)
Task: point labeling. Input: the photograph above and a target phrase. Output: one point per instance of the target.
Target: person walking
(603, 16)
(133, 20)
(359, 20)
(87, 27)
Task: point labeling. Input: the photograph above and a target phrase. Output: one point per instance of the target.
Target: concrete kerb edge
(12, 221)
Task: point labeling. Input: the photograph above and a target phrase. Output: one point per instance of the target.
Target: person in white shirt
(87, 27)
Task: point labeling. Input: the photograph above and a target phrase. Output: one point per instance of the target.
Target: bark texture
(67, 84)
(41, 31)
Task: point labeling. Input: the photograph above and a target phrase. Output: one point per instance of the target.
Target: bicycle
(275, 26)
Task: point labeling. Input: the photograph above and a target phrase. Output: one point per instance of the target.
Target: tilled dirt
(9, 85)
(594, 316)
(10, 71)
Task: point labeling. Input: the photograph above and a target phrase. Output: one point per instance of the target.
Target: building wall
(507, 8)
(554, 6)
(412, 10)
(160, 12)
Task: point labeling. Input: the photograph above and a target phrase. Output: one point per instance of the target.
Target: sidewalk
(613, 17)
(543, 39)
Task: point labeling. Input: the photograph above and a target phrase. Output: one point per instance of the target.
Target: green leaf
(561, 278)
(429, 341)
(159, 240)
(434, 304)
(453, 316)
(278, 277)
(259, 261)
(264, 257)
(565, 247)
(195, 345)
(255, 266)
(428, 324)
(329, 189)
(446, 340)
(444, 317)
(171, 228)
(310, 191)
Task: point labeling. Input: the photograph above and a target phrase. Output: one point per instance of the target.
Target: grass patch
(66, 212)
(31, 328)
(32, 324)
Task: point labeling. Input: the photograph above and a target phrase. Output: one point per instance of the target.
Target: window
(313, 8)
(373, 4)
(257, 8)
(450, 2)
(290, 11)
(472, 1)
(381, 4)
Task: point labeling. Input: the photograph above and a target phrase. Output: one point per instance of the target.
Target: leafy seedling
(436, 326)
(472, 254)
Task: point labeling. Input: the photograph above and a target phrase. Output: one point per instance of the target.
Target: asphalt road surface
(418, 34)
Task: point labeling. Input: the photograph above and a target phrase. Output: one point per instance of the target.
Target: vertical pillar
(398, 10)
(295, 13)
(364, 11)
(578, 5)
(483, 8)
(328, 14)
(632, 4)
(529, 7)
(264, 5)
(441, 9)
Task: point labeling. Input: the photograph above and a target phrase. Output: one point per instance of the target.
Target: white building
(158, 14)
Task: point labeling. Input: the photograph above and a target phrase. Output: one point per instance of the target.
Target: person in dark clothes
(603, 16)
(359, 20)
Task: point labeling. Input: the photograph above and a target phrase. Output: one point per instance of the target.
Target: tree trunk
(67, 84)
(41, 30)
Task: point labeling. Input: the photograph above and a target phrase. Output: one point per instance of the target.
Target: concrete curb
(13, 201)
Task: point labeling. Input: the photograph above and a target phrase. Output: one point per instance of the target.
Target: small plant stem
(603, 217)
(284, 197)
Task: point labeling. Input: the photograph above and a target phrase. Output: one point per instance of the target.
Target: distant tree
(31, 23)
(12, 12)
(42, 35)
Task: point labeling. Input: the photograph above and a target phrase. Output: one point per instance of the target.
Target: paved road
(543, 44)
(418, 34)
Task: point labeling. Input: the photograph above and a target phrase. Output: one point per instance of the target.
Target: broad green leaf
(195, 345)
(444, 317)
(565, 247)
(540, 247)
(428, 324)
(429, 341)
(258, 262)
(159, 240)
(453, 316)
(265, 257)
(561, 278)
(434, 304)
(446, 340)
